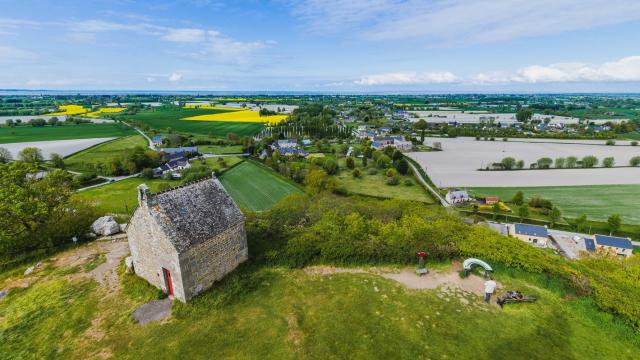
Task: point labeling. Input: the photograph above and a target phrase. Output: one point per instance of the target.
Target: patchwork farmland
(457, 165)
(255, 187)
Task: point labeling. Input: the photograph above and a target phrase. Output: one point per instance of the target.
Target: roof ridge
(185, 185)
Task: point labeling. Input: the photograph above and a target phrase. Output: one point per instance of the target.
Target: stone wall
(151, 252)
(211, 260)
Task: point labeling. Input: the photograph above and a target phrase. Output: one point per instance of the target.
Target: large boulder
(105, 226)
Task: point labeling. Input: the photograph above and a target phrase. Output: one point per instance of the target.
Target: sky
(342, 46)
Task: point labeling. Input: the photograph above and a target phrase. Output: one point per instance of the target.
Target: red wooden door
(167, 279)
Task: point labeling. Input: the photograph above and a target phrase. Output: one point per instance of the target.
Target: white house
(535, 235)
(457, 197)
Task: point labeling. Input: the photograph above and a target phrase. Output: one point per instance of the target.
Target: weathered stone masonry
(195, 231)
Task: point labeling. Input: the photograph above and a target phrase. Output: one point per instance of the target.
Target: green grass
(375, 185)
(62, 132)
(215, 165)
(598, 202)
(276, 313)
(44, 320)
(255, 187)
(103, 152)
(220, 150)
(120, 198)
(169, 117)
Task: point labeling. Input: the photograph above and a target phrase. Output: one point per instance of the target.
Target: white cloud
(622, 70)
(174, 77)
(408, 78)
(460, 21)
(185, 35)
(226, 49)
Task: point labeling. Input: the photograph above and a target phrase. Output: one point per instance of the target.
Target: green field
(62, 132)
(255, 187)
(598, 201)
(120, 198)
(169, 117)
(276, 313)
(103, 152)
(220, 150)
(375, 185)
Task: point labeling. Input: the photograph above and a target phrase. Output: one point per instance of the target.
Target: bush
(391, 173)
(634, 161)
(611, 142)
(540, 203)
(589, 161)
(402, 166)
(355, 173)
(372, 171)
(393, 181)
(608, 162)
(508, 163)
(350, 163)
(634, 143)
(147, 173)
(408, 182)
(544, 163)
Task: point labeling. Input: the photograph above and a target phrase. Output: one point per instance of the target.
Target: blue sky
(328, 45)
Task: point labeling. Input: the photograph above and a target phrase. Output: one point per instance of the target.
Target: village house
(613, 244)
(173, 166)
(457, 197)
(490, 200)
(157, 140)
(535, 235)
(288, 147)
(184, 239)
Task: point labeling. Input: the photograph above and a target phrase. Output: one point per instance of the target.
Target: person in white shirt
(489, 288)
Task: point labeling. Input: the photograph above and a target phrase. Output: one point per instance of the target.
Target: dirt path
(407, 277)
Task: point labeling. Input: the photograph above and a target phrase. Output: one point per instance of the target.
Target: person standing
(489, 288)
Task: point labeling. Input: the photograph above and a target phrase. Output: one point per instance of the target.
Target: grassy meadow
(27, 133)
(255, 187)
(375, 185)
(598, 202)
(103, 152)
(171, 117)
(120, 198)
(278, 313)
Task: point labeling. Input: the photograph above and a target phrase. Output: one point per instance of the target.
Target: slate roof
(614, 241)
(531, 230)
(184, 149)
(195, 212)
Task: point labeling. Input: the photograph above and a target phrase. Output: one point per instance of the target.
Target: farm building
(613, 244)
(490, 200)
(173, 166)
(535, 235)
(457, 197)
(184, 239)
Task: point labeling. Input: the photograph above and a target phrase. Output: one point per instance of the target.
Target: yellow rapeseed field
(69, 110)
(240, 116)
(105, 111)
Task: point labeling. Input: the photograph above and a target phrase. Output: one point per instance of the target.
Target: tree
(31, 155)
(355, 173)
(330, 166)
(383, 161)
(544, 163)
(608, 161)
(422, 126)
(318, 181)
(571, 162)
(402, 166)
(5, 155)
(524, 115)
(53, 121)
(589, 161)
(496, 210)
(560, 162)
(57, 161)
(523, 212)
(391, 173)
(37, 213)
(37, 122)
(397, 155)
(581, 223)
(10, 123)
(350, 162)
(364, 161)
(518, 198)
(508, 163)
(147, 173)
(634, 161)
(614, 222)
(555, 215)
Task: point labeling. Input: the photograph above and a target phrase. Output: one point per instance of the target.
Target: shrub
(608, 162)
(383, 161)
(611, 142)
(634, 161)
(408, 182)
(391, 173)
(518, 198)
(393, 180)
(634, 143)
(508, 163)
(402, 166)
(560, 162)
(372, 171)
(544, 163)
(540, 203)
(571, 162)
(520, 164)
(350, 163)
(355, 173)
(147, 173)
(589, 161)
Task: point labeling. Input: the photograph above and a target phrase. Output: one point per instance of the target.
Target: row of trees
(570, 162)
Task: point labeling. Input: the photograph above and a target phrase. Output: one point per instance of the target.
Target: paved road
(443, 202)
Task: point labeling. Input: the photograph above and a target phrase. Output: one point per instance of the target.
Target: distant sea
(18, 92)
